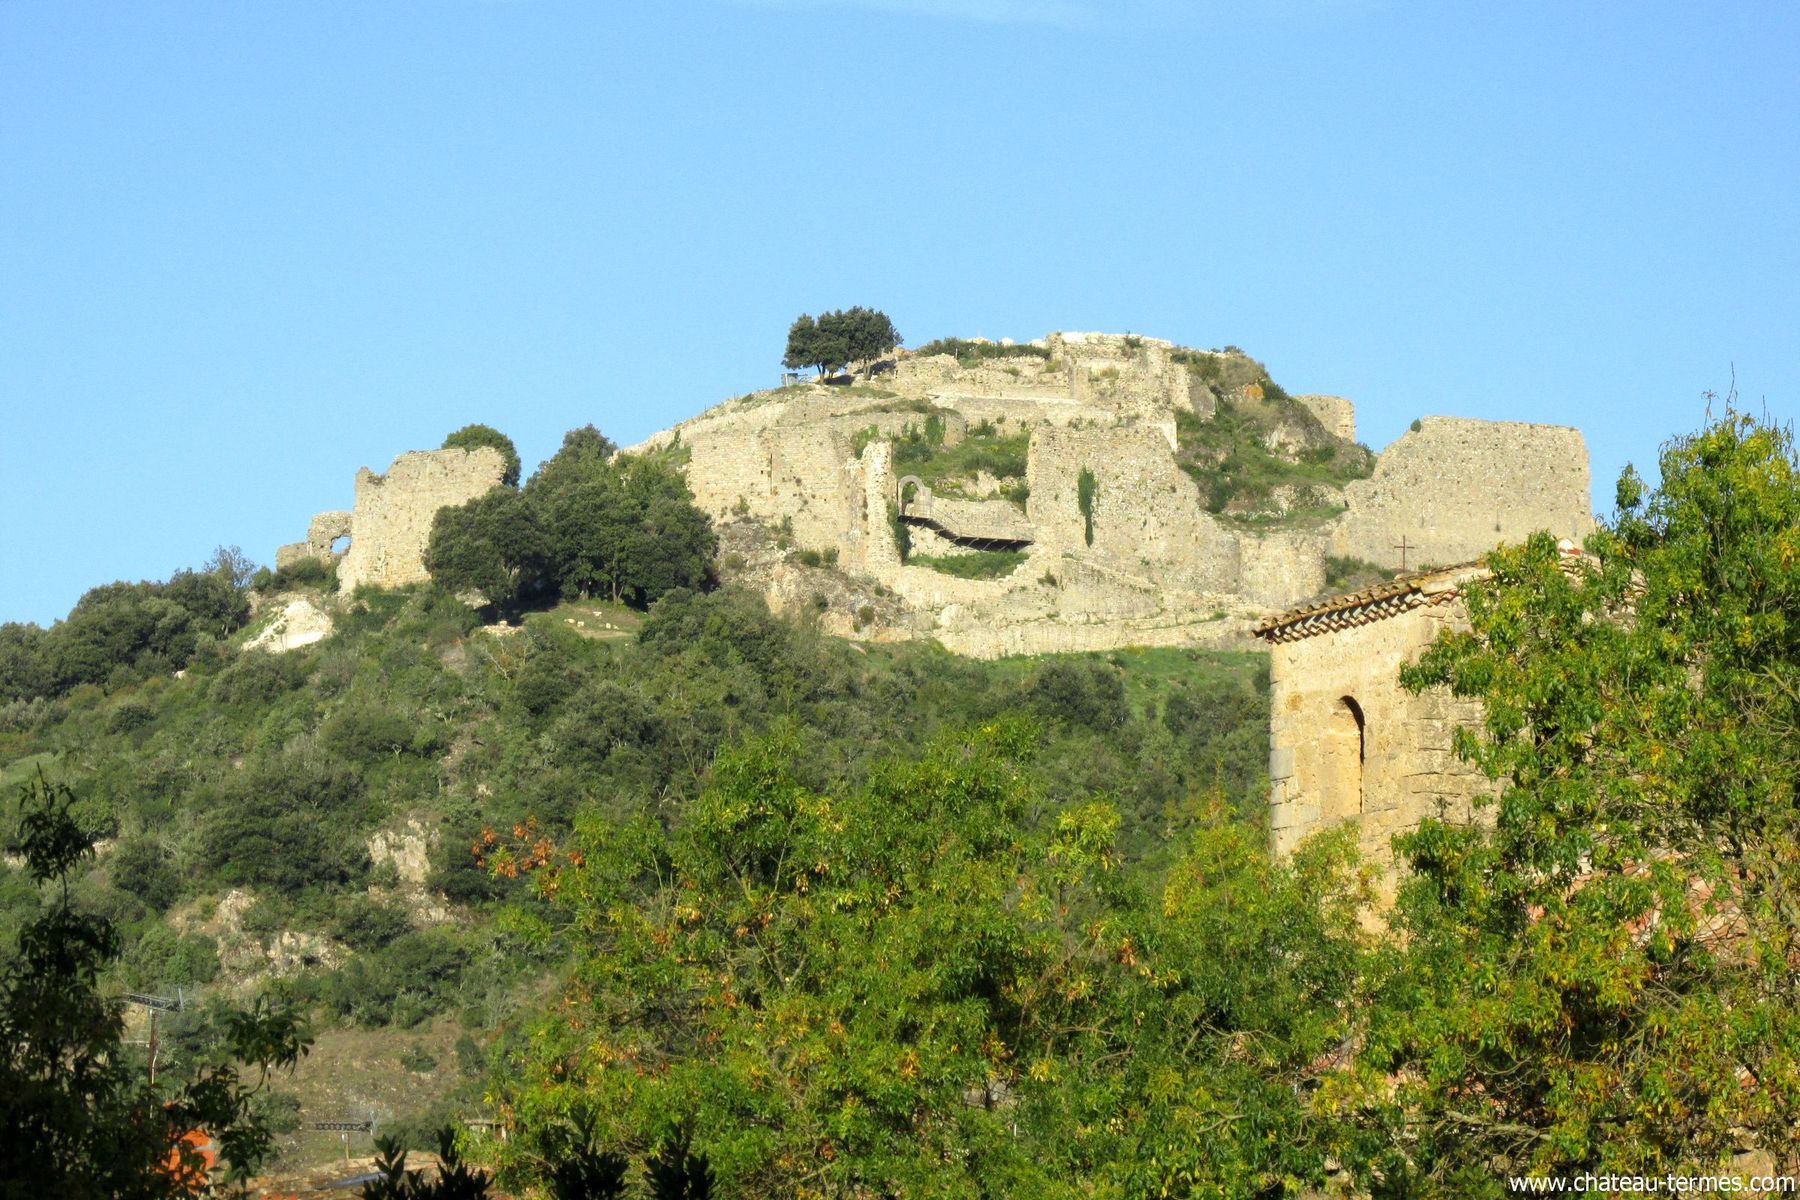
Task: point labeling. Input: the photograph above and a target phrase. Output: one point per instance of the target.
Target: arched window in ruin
(1345, 747)
(907, 489)
(340, 545)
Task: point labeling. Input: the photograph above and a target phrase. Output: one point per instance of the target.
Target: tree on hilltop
(835, 339)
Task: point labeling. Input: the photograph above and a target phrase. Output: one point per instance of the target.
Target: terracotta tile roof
(1437, 586)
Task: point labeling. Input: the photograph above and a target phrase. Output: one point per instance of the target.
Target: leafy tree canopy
(835, 339)
(1603, 980)
(589, 522)
(81, 1120)
(120, 632)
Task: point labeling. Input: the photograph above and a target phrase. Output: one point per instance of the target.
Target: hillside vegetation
(1261, 455)
(242, 800)
(826, 920)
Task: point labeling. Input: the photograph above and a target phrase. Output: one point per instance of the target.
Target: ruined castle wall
(776, 473)
(390, 524)
(810, 482)
(1455, 488)
(1010, 414)
(889, 423)
(1335, 413)
(869, 542)
(1147, 515)
(999, 519)
(1280, 568)
(1397, 769)
(321, 532)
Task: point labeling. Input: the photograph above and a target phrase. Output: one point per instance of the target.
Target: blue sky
(246, 249)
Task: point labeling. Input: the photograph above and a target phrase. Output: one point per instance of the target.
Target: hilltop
(1087, 491)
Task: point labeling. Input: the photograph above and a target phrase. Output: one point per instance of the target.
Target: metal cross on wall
(1403, 547)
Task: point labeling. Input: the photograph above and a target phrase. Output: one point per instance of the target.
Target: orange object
(191, 1160)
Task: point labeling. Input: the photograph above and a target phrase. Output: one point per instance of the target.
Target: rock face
(390, 524)
(1144, 562)
(299, 623)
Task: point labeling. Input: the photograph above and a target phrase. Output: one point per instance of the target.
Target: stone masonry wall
(1335, 413)
(391, 522)
(1147, 512)
(1161, 570)
(321, 532)
(1407, 769)
(1455, 488)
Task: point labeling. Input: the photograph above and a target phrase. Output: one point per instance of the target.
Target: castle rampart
(1454, 488)
(390, 524)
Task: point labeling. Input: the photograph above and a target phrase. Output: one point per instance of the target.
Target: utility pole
(156, 1005)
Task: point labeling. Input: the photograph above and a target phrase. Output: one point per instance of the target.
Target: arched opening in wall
(340, 545)
(1344, 749)
(906, 490)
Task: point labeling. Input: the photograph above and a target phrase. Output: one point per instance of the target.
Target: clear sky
(248, 248)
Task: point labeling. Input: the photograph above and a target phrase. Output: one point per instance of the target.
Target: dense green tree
(583, 456)
(809, 344)
(836, 339)
(121, 631)
(916, 987)
(1090, 694)
(494, 545)
(1603, 980)
(624, 527)
(868, 334)
(473, 437)
(590, 522)
(24, 661)
(81, 1120)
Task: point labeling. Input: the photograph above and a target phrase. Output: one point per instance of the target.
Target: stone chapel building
(1346, 741)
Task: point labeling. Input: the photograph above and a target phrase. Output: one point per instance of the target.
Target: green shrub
(971, 353)
(365, 923)
(1081, 692)
(1004, 457)
(142, 867)
(302, 573)
(415, 1057)
(255, 678)
(977, 564)
(1086, 489)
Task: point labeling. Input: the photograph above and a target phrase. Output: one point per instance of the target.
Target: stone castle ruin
(1115, 542)
(1082, 492)
(389, 523)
